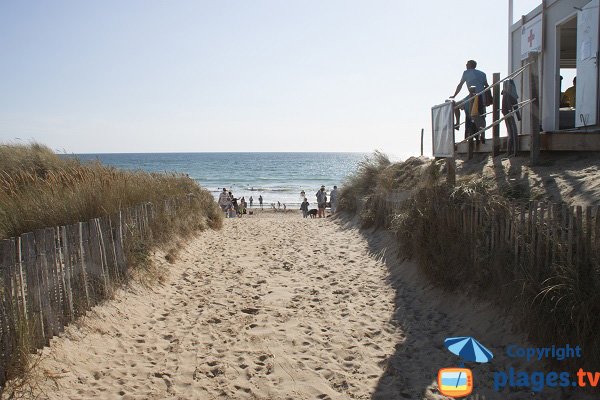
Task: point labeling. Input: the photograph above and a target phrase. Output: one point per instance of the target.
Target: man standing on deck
(475, 79)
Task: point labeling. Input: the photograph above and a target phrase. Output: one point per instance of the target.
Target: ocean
(276, 176)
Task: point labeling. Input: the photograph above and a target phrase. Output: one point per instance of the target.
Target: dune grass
(40, 189)
(554, 304)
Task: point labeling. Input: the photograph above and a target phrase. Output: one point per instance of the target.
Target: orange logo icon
(455, 382)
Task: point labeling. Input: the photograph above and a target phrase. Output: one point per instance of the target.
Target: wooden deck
(549, 141)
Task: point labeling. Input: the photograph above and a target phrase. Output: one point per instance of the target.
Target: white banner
(531, 36)
(442, 124)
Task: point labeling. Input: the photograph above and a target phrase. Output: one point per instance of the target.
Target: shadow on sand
(424, 316)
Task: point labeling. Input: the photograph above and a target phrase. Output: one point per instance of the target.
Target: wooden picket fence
(537, 234)
(54, 275)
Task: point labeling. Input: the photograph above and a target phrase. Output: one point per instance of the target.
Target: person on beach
(260, 201)
(235, 204)
(321, 201)
(477, 79)
(278, 205)
(223, 200)
(251, 200)
(304, 208)
(333, 199)
(510, 100)
(242, 206)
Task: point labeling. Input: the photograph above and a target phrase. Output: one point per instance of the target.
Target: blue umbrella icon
(469, 349)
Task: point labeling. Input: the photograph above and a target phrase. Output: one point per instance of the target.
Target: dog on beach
(313, 213)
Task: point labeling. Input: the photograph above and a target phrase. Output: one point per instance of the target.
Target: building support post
(451, 170)
(534, 108)
(496, 116)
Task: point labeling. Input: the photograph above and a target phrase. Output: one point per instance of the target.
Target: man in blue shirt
(476, 83)
(473, 77)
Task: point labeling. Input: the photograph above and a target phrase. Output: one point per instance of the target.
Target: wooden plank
(41, 266)
(21, 279)
(587, 244)
(532, 229)
(102, 258)
(66, 274)
(111, 254)
(570, 141)
(9, 310)
(579, 234)
(496, 116)
(541, 235)
(549, 230)
(534, 108)
(523, 236)
(54, 288)
(83, 261)
(570, 236)
(93, 269)
(34, 301)
(596, 240)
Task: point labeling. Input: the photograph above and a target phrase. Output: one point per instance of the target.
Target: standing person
(242, 205)
(510, 99)
(321, 201)
(333, 199)
(251, 200)
(229, 207)
(223, 200)
(570, 95)
(234, 201)
(304, 208)
(477, 79)
(260, 200)
(278, 205)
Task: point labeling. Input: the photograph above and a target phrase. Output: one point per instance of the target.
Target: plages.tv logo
(458, 382)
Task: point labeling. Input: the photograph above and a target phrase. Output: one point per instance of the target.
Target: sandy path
(269, 308)
(277, 307)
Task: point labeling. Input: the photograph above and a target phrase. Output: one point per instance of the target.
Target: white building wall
(555, 12)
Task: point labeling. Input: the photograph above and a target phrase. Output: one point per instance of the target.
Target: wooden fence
(54, 275)
(536, 234)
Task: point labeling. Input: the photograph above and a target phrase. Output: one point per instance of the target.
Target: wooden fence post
(496, 116)
(534, 108)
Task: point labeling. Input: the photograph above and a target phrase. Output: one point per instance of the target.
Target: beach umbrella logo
(469, 349)
(458, 382)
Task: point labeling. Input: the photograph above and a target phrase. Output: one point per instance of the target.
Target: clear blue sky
(310, 75)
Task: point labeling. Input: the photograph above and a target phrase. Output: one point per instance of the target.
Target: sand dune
(272, 307)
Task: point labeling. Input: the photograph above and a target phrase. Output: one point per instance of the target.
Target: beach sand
(274, 306)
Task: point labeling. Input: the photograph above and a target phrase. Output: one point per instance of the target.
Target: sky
(118, 76)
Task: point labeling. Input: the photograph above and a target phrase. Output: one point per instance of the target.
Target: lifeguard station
(556, 35)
